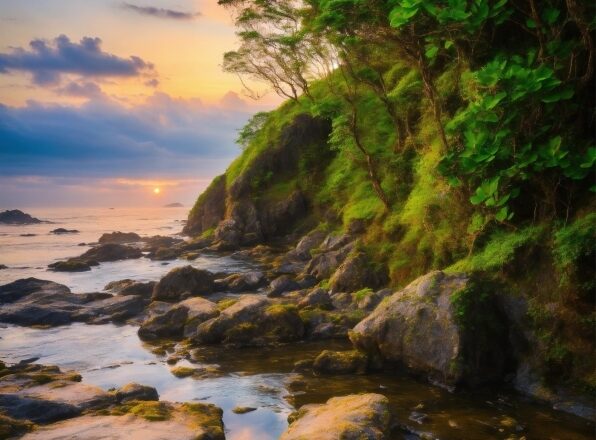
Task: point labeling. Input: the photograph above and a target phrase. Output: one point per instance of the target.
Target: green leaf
(432, 52)
(550, 15)
(559, 95)
(502, 214)
(478, 197)
(531, 23)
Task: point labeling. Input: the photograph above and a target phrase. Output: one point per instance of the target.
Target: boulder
(252, 320)
(119, 237)
(36, 410)
(39, 302)
(135, 391)
(323, 265)
(282, 284)
(356, 273)
(173, 321)
(441, 325)
(317, 297)
(164, 254)
(131, 287)
(340, 362)
(241, 282)
(309, 242)
(111, 252)
(152, 244)
(183, 282)
(353, 417)
(372, 300)
(16, 217)
(70, 266)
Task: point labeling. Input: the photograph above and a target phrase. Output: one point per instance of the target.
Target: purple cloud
(48, 61)
(161, 12)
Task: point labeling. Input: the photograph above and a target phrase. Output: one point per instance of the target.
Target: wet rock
(152, 244)
(3, 266)
(241, 282)
(419, 327)
(252, 320)
(340, 362)
(329, 330)
(174, 321)
(131, 287)
(303, 365)
(119, 237)
(141, 420)
(17, 217)
(111, 252)
(183, 282)
(60, 231)
(243, 409)
(317, 297)
(70, 266)
(353, 417)
(163, 254)
(36, 410)
(356, 273)
(39, 302)
(135, 391)
(280, 285)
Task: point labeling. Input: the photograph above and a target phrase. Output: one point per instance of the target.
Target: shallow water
(29, 256)
(111, 356)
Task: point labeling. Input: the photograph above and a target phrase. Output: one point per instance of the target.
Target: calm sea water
(28, 256)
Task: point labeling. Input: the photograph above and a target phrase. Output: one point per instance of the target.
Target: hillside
(452, 136)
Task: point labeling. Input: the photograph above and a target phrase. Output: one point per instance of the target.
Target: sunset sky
(101, 101)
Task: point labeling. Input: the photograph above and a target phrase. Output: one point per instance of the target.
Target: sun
(156, 190)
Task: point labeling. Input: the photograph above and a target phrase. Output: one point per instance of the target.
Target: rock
(174, 321)
(141, 420)
(280, 285)
(251, 321)
(209, 210)
(329, 330)
(131, 287)
(3, 266)
(21, 288)
(241, 282)
(38, 302)
(16, 217)
(183, 282)
(306, 281)
(323, 265)
(420, 327)
(60, 231)
(306, 244)
(340, 362)
(174, 205)
(356, 273)
(163, 254)
(353, 417)
(36, 410)
(27, 235)
(70, 266)
(135, 391)
(152, 244)
(243, 409)
(317, 297)
(111, 252)
(372, 300)
(119, 237)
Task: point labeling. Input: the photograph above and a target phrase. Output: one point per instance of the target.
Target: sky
(102, 101)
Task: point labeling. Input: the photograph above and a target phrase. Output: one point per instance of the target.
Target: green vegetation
(461, 134)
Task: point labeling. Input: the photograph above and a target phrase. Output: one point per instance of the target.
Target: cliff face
(266, 199)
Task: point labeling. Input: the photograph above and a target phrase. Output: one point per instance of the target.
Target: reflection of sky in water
(29, 256)
(96, 352)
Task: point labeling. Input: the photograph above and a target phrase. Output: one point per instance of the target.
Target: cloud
(164, 136)
(161, 12)
(84, 89)
(48, 61)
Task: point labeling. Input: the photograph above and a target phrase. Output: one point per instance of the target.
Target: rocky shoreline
(319, 288)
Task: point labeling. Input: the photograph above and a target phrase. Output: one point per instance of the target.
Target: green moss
(225, 303)
(499, 251)
(281, 309)
(181, 372)
(208, 417)
(361, 294)
(149, 410)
